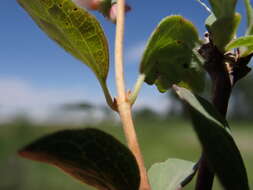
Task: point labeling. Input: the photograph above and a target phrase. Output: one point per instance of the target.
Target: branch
(124, 106)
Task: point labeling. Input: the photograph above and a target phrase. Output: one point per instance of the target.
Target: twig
(124, 106)
(137, 87)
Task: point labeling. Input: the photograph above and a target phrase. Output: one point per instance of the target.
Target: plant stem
(222, 87)
(137, 88)
(124, 106)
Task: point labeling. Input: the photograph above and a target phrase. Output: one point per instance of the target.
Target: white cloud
(134, 53)
(40, 104)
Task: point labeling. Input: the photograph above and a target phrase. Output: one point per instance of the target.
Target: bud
(113, 11)
(107, 7)
(88, 4)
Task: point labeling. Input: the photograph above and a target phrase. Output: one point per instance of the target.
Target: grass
(159, 141)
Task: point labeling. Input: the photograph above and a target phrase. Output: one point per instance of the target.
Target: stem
(137, 88)
(222, 87)
(107, 95)
(124, 106)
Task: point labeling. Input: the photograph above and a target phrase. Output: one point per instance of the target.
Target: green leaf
(223, 8)
(246, 42)
(216, 28)
(249, 11)
(74, 29)
(169, 57)
(89, 155)
(210, 20)
(219, 146)
(169, 175)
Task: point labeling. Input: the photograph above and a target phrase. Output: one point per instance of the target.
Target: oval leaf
(223, 8)
(74, 29)
(170, 174)
(169, 57)
(219, 146)
(89, 155)
(246, 42)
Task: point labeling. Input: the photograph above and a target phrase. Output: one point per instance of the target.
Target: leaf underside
(168, 175)
(74, 29)
(169, 58)
(89, 155)
(219, 146)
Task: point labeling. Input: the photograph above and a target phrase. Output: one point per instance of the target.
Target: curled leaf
(169, 57)
(89, 155)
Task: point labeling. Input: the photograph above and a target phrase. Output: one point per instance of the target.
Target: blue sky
(37, 74)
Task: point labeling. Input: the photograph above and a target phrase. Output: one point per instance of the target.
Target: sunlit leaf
(169, 57)
(223, 8)
(249, 11)
(246, 42)
(223, 30)
(90, 155)
(222, 153)
(169, 175)
(74, 29)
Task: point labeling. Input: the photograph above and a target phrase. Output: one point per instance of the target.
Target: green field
(158, 140)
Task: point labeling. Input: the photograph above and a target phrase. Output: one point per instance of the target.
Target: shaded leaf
(223, 8)
(74, 29)
(216, 28)
(169, 57)
(90, 155)
(246, 42)
(219, 146)
(249, 11)
(168, 175)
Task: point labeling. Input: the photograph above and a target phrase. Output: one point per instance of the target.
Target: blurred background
(43, 89)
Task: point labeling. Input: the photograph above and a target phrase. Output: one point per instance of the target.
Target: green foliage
(223, 19)
(216, 29)
(246, 44)
(169, 57)
(223, 8)
(168, 175)
(219, 146)
(249, 11)
(74, 29)
(90, 155)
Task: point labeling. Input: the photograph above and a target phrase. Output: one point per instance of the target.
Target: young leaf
(223, 8)
(246, 42)
(249, 11)
(216, 28)
(74, 29)
(169, 57)
(90, 155)
(219, 146)
(168, 175)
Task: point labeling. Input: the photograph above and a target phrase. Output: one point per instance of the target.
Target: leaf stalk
(134, 94)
